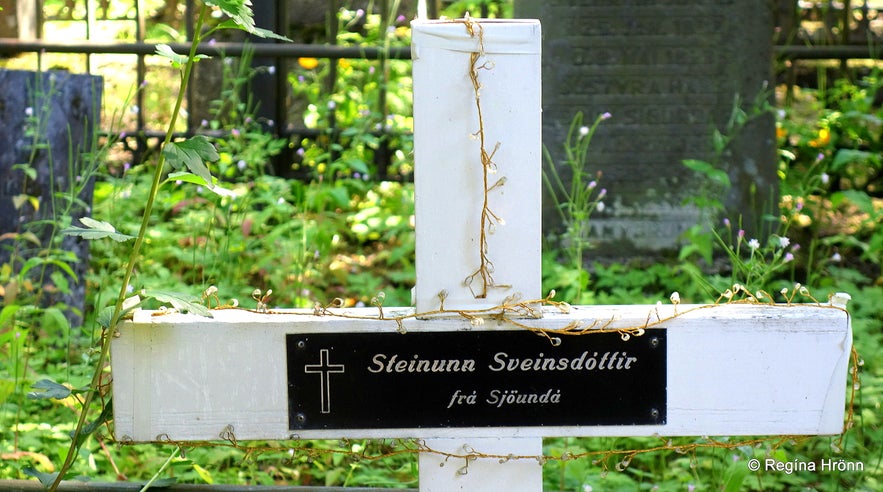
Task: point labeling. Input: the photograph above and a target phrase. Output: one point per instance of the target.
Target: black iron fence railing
(791, 17)
(277, 50)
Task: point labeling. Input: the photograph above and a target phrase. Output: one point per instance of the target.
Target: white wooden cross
(465, 370)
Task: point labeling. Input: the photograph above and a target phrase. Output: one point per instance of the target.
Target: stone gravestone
(479, 378)
(668, 72)
(47, 125)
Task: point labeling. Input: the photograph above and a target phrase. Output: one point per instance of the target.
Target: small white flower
(675, 297)
(836, 258)
(583, 131)
(825, 178)
(601, 206)
(753, 243)
(29, 111)
(784, 242)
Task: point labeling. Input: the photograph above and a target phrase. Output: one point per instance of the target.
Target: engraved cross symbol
(324, 369)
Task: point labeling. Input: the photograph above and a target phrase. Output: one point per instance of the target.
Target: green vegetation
(339, 235)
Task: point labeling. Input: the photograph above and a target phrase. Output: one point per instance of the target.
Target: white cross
(325, 369)
(735, 369)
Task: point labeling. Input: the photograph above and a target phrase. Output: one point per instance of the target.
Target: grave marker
(492, 374)
(47, 122)
(668, 72)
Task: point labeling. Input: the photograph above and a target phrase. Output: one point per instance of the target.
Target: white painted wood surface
(732, 370)
(447, 160)
(440, 474)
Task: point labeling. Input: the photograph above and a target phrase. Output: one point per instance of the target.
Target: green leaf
(28, 170)
(734, 476)
(716, 175)
(181, 302)
(198, 180)
(860, 199)
(166, 51)
(242, 18)
(192, 153)
(204, 474)
(844, 157)
(96, 229)
(105, 315)
(61, 282)
(47, 479)
(53, 318)
(91, 427)
(238, 10)
(7, 313)
(257, 31)
(177, 60)
(188, 177)
(48, 390)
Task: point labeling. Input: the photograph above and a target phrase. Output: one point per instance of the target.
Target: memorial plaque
(668, 72)
(474, 379)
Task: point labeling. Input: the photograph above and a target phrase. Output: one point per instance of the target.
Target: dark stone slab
(668, 72)
(47, 123)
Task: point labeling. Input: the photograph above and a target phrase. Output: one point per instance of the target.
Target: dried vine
(489, 219)
(510, 311)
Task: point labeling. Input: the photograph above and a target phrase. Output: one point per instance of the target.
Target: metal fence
(807, 30)
(269, 87)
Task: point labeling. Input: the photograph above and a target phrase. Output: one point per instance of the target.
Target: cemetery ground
(340, 236)
(351, 239)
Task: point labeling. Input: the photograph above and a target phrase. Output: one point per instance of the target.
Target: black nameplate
(474, 379)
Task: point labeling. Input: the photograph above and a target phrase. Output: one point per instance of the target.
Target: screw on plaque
(301, 418)
(301, 344)
(654, 414)
(654, 342)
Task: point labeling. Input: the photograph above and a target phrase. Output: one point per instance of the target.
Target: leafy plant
(699, 240)
(576, 200)
(371, 100)
(189, 154)
(831, 168)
